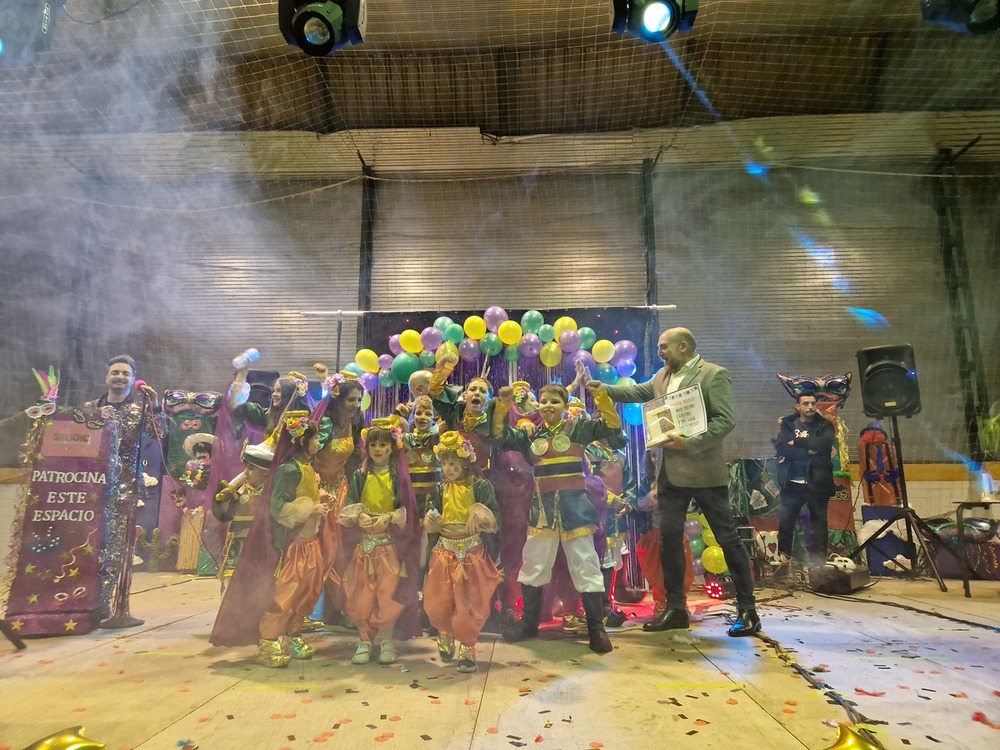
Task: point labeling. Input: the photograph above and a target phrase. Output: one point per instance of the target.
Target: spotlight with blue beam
(654, 20)
(26, 26)
(319, 27)
(971, 16)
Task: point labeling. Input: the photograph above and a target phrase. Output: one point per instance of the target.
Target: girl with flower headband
(561, 511)
(464, 519)
(281, 570)
(381, 579)
(339, 417)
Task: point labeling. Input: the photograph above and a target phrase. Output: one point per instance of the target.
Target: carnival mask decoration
(49, 384)
(828, 389)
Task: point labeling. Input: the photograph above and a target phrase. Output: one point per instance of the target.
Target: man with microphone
(138, 411)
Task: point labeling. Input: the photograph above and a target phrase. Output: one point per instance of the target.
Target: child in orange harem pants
(462, 574)
(378, 582)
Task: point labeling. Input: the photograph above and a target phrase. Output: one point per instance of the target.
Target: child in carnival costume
(561, 511)
(199, 447)
(236, 504)
(381, 579)
(609, 465)
(464, 520)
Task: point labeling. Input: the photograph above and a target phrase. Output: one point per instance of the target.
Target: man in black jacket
(805, 473)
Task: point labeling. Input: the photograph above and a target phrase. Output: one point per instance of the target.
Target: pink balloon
(569, 341)
(530, 345)
(431, 338)
(394, 346)
(385, 362)
(468, 350)
(494, 316)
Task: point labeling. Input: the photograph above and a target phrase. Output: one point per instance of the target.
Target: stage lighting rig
(26, 26)
(654, 20)
(318, 27)
(972, 16)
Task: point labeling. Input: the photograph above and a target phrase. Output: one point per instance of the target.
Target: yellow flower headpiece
(296, 423)
(335, 381)
(388, 424)
(300, 383)
(453, 442)
(575, 409)
(521, 389)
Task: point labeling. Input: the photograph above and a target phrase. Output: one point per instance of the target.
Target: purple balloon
(368, 380)
(698, 567)
(693, 528)
(625, 351)
(468, 350)
(626, 370)
(394, 345)
(582, 355)
(530, 345)
(431, 338)
(494, 316)
(569, 341)
(385, 362)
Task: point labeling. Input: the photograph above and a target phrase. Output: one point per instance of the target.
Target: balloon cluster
(493, 334)
(708, 555)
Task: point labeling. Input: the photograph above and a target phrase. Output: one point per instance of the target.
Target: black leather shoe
(747, 623)
(668, 619)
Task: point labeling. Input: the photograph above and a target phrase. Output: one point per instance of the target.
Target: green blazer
(703, 464)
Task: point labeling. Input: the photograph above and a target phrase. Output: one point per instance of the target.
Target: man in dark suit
(694, 469)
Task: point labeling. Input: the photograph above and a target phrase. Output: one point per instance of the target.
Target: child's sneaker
(363, 653)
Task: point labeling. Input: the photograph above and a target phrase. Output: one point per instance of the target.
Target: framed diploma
(681, 412)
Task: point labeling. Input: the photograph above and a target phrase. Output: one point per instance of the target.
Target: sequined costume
(136, 421)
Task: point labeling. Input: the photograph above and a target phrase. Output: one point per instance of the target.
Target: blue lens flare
(868, 318)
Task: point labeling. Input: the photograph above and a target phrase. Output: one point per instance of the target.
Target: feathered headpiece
(48, 382)
(453, 442)
(300, 382)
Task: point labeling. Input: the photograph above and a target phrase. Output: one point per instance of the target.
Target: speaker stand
(916, 527)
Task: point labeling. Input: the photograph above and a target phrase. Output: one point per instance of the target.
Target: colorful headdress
(296, 423)
(522, 389)
(453, 442)
(576, 409)
(333, 382)
(48, 382)
(300, 382)
(388, 424)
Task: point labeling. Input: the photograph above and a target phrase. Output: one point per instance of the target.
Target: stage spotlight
(972, 16)
(26, 26)
(653, 19)
(318, 27)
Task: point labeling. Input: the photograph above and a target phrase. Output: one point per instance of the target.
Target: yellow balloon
(708, 536)
(446, 348)
(565, 323)
(603, 351)
(475, 327)
(509, 332)
(367, 359)
(66, 739)
(410, 341)
(551, 354)
(714, 560)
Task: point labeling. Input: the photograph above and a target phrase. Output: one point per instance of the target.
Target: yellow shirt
(379, 493)
(456, 501)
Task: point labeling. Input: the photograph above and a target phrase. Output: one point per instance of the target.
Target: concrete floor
(918, 667)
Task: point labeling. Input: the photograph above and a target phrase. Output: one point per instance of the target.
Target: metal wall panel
(774, 274)
(533, 242)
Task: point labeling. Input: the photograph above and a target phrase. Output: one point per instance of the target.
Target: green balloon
(697, 547)
(512, 353)
(546, 333)
(427, 358)
(587, 337)
(403, 366)
(454, 333)
(442, 323)
(531, 321)
(385, 379)
(490, 344)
